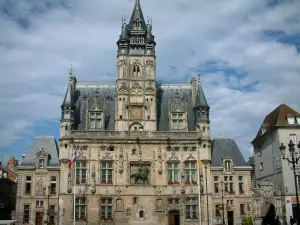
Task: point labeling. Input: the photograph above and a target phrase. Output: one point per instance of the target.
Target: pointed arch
(136, 127)
(123, 72)
(136, 70)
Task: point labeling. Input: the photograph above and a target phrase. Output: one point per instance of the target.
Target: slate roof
(170, 97)
(225, 146)
(200, 97)
(250, 161)
(137, 14)
(46, 143)
(276, 118)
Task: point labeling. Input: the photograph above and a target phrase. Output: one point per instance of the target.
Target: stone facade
(38, 183)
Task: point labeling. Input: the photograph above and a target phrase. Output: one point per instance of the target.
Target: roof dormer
(227, 163)
(290, 119)
(42, 159)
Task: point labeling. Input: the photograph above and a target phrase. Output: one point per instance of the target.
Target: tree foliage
(247, 220)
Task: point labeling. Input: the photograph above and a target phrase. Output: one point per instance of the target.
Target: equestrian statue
(142, 175)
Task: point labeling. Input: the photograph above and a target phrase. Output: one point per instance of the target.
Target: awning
(264, 209)
(7, 222)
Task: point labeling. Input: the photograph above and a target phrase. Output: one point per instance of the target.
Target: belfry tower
(136, 76)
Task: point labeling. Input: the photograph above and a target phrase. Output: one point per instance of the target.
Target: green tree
(247, 220)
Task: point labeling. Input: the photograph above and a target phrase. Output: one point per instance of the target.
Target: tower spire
(137, 19)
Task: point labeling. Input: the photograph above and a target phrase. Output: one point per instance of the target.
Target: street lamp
(294, 160)
(222, 194)
(47, 196)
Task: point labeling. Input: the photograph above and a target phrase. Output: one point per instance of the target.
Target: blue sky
(247, 52)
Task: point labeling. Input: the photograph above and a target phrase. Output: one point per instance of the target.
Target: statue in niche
(128, 212)
(141, 174)
(119, 204)
(40, 184)
(201, 185)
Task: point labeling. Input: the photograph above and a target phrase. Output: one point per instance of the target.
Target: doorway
(174, 217)
(39, 218)
(230, 217)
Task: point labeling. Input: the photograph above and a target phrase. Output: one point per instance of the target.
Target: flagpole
(74, 220)
(199, 186)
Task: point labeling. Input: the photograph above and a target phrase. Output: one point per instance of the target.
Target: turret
(201, 110)
(68, 106)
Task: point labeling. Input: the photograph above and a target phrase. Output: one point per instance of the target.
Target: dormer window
(227, 165)
(96, 120)
(178, 121)
(290, 119)
(298, 119)
(41, 163)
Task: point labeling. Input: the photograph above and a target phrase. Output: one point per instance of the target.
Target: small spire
(198, 74)
(71, 70)
(46, 131)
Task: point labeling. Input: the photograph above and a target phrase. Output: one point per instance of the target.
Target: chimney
(194, 89)
(11, 164)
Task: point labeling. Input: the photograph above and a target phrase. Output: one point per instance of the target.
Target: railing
(136, 134)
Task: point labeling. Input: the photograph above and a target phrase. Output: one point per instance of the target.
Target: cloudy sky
(247, 51)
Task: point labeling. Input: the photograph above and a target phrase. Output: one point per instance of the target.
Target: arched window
(136, 71)
(137, 23)
(141, 214)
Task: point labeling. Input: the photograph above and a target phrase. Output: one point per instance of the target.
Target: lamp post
(222, 195)
(293, 160)
(47, 196)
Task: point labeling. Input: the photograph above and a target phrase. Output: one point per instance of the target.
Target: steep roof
(276, 118)
(137, 14)
(200, 97)
(48, 144)
(225, 146)
(250, 161)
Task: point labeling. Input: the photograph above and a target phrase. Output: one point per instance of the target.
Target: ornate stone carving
(136, 89)
(40, 184)
(190, 157)
(107, 156)
(149, 63)
(121, 160)
(140, 173)
(69, 190)
(173, 156)
(93, 189)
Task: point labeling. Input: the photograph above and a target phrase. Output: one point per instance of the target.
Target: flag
(198, 159)
(72, 160)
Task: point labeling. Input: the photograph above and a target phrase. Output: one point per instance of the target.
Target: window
(26, 214)
(217, 208)
(141, 213)
(261, 166)
(52, 213)
(291, 119)
(259, 151)
(39, 204)
(298, 181)
(136, 71)
(190, 172)
(53, 185)
(298, 119)
(41, 163)
(229, 204)
(242, 209)
(96, 120)
(241, 184)
(173, 201)
(293, 138)
(191, 208)
(106, 172)
(106, 209)
(80, 172)
(228, 182)
(134, 200)
(173, 173)
(216, 184)
(178, 121)
(27, 185)
(80, 209)
(227, 165)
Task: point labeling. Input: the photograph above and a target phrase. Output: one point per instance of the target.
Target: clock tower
(136, 78)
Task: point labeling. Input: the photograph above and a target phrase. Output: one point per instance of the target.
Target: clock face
(136, 113)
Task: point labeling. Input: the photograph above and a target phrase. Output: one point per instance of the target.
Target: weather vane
(71, 70)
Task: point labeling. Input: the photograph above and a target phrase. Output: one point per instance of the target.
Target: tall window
(52, 213)
(136, 70)
(41, 163)
(96, 120)
(106, 172)
(173, 173)
(216, 184)
(106, 209)
(217, 208)
(39, 204)
(174, 201)
(27, 185)
(228, 165)
(80, 172)
(298, 181)
(178, 121)
(190, 172)
(228, 182)
(191, 208)
(26, 214)
(242, 209)
(241, 184)
(80, 209)
(53, 185)
(293, 137)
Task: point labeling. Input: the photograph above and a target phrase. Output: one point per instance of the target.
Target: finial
(198, 74)
(71, 70)
(148, 20)
(123, 19)
(137, 1)
(46, 130)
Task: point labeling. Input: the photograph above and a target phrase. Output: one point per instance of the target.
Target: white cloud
(34, 62)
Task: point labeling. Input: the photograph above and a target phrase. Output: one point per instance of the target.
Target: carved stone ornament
(267, 190)
(173, 156)
(140, 173)
(40, 184)
(121, 160)
(69, 189)
(149, 63)
(107, 156)
(122, 89)
(136, 88)
(93, 189)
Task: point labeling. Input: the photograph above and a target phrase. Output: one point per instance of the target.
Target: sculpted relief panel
(140, 173)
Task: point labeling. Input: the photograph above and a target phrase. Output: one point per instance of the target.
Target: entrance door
(230, 217)
(39, 218)
(174, 218)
